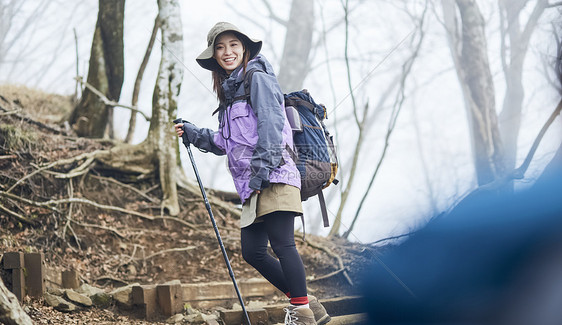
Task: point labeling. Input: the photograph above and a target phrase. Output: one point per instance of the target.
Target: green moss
(102, 300)
(13, 138)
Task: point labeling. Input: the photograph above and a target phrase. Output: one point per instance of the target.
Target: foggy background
(428, 164)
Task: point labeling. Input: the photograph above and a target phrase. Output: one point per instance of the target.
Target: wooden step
(355, 319)
(341, 310)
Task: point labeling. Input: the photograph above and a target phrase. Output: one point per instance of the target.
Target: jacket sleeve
(266, 99)
(203, 138)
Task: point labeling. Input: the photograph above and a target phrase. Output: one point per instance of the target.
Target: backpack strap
(295, 101)
(292, 153)
(247, 82)
(323, 209)
(303, 229)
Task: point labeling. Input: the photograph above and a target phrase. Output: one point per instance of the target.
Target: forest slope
(56, 198)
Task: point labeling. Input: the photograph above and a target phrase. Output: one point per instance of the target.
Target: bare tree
(138, 81)
(370, 114)
(298, 43)
(91, 116)
(468, 45)
(359, 121)
(9, 11)
(514, 46)
(161, 136)
(555, 165)
(159, 150)
(396, 109)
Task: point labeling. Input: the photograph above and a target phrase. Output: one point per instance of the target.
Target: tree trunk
(90, 117)
(554, 167)
(298, 42)
(138, 81)
(471, 60)
(11, 312)
(161, 135)
(334, 231)
(159, 152)
(510, 116)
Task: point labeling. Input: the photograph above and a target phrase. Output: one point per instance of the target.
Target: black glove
(187, 128)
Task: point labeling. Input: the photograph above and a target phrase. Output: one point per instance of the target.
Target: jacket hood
(232, 85)
(259, 63)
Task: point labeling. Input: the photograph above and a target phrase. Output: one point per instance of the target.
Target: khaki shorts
(276, 197)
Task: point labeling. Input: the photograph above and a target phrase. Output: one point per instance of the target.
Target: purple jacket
(254, 137)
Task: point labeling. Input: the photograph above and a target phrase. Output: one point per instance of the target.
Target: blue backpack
(314, 152)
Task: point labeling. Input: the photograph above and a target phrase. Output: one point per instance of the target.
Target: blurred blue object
(497, 259)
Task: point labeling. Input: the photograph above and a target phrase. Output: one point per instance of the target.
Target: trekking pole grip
(184, 138)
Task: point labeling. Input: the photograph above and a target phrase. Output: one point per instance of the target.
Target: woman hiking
(254, 132)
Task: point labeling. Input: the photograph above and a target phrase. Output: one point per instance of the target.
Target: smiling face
(229, 51)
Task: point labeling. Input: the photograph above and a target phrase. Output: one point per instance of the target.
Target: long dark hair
(220, 75)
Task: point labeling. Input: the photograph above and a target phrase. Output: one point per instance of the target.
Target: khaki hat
(206, 60)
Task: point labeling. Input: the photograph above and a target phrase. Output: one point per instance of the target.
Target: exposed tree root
(132, 188)
(327, 276)
(178, 249)
(338, 258)
(18, 217)
(86, 225)
(51, 204)
(54, 164)
(194, 189)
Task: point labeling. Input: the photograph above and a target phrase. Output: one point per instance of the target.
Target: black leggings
(286, 274)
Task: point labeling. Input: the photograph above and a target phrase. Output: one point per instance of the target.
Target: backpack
(314, 152)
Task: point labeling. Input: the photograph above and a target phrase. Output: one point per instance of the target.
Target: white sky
(428, 162)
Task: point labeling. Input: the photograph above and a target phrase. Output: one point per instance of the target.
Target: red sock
(288, 294)
(299, 300)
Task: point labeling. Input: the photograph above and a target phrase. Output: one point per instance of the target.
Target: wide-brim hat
(206, 60)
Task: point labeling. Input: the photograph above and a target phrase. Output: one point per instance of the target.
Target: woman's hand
(179, 129)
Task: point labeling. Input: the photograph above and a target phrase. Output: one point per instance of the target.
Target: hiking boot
(296, 315)
(320, 314)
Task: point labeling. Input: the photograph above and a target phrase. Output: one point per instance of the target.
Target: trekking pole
(208, 206)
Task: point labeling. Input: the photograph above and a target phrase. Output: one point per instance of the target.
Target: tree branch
(334, 255)
(86, 155)
(51, 203)
(182, 183)
(18, 216)
(177, 249)
(326, 276)
(272, 14)
(69, 216)
(15, 111)
(519, 172)
(138, 80)
(132, 188)
(392, 237)
(397, 107)
(109, 102)
(87, 225)
(532, 22)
